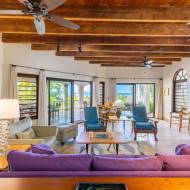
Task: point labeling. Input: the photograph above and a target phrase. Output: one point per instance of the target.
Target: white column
(43, 100)
(81, 96)
(95, 91)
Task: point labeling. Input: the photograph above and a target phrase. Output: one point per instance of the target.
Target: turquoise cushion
(94, 127)
(144, 125)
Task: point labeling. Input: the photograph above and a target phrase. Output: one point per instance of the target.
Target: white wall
(22, 55)
(168, 74)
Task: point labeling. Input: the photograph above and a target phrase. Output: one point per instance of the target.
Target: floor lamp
(9, 109)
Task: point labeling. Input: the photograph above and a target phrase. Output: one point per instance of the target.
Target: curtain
(43, 97)
(159, 111)
(13, 83)
(113, 90)
(95, 91)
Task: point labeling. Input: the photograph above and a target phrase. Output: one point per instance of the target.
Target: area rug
(131, 148)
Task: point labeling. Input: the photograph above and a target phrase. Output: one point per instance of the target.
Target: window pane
(82, 98)
(125, 93)
(27, 95)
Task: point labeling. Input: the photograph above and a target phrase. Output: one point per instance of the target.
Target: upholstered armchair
(92, 122)
(142, 124)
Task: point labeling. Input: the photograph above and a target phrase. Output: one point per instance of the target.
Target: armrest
(133, 120)
(154, 120)
(45, 131)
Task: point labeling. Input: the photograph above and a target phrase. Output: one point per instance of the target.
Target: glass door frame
(72, 94)
(134, 93)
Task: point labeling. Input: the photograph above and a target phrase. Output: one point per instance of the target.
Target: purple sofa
(29, 164)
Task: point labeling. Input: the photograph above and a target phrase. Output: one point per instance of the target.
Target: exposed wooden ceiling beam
(126, 62)
(129, 65)
(24, 25)
(123, 59)
(95, 40)
(116, 13)
(125, 48)
(120, 54)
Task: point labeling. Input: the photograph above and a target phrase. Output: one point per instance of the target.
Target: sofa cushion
(175, 162)
(19, 126)
(42, 149)
(144, 125)
(182, 149)
(27, 134)
(94, 127)
(126, 164)
(28, 161)
(121, 156)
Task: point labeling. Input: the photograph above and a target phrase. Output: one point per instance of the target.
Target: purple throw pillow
(175, 162)
(28, 161)
(42, 149)
(182, 149)
(127, 164)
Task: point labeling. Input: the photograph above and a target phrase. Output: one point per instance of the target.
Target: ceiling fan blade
(51, 4)
(27, 3)
(40, 25)
(63, 22)
(23, 1)
(11, 12)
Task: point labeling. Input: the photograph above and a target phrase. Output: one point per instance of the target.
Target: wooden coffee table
(115, 138)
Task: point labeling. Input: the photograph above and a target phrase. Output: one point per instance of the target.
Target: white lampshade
(9, 109)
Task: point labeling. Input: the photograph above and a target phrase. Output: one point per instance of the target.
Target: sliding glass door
(137, 94)
(59, 101)
(145, 96)
(82, 98)
(67, 100)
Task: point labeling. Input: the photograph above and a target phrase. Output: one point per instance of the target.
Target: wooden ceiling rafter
(116, 32)
(120, 54)
(95, 40)
(16, 25)
(126, 62)
(124, 48)
(123, 59)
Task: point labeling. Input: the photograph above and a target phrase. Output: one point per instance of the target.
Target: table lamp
(9, 109)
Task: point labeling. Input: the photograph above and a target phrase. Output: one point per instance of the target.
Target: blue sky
(127, 89)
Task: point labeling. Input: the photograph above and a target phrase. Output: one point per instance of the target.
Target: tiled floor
(168, 138)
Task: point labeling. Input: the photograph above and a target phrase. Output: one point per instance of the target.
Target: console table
(133, 183)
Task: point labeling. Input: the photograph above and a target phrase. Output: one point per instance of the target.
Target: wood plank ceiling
(112, 33)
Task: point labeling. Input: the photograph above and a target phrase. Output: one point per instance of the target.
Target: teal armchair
(142, 124)
(92, 122)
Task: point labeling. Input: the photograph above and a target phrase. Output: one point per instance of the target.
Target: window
(101, 93)
(28, 95)
(180, 90)
(137, 94)
(67, 99)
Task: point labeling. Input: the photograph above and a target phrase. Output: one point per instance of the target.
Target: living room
(88, 97)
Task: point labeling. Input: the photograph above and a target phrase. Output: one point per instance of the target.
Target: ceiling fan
(40, 9)
(147, 63)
